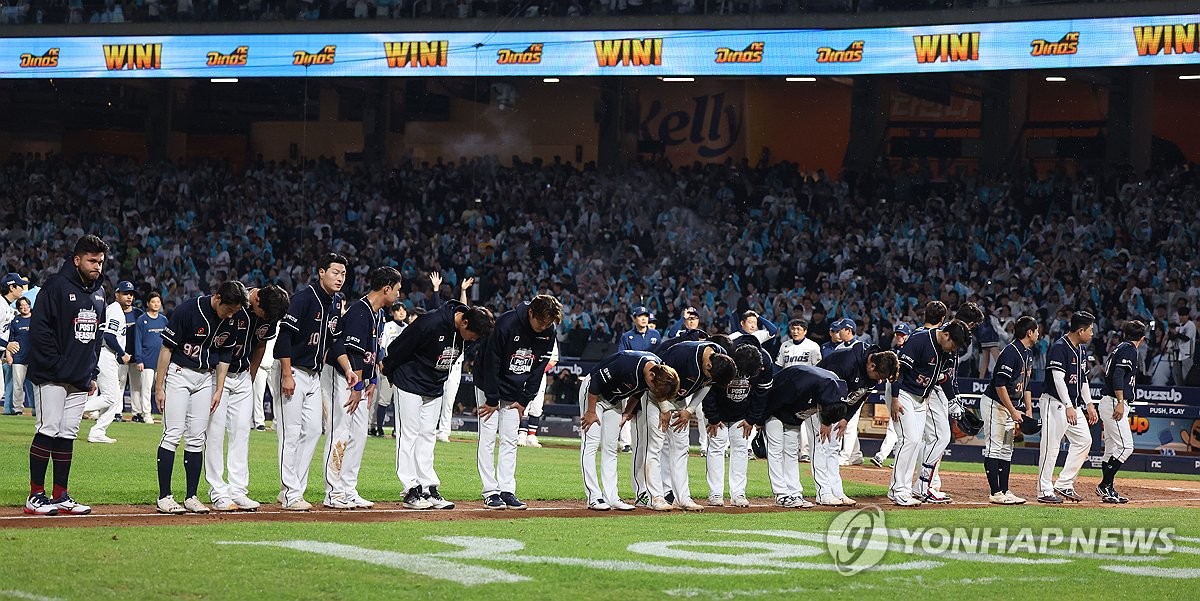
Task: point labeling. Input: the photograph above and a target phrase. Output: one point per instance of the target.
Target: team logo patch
(738, 390)
(86, 325)
(521, 361)
(263, 331)
(71, 297)
(220, 339)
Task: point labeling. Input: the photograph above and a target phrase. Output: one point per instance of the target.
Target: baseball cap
(11, 279)
(125, 286)
(847, 324)
(903, 328)
(691, 312)
(640, 310)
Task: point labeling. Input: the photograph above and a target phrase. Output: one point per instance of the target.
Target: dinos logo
(34, 61)
(303, 58)
(751, 54)
(852, 54)
(529, 56)
(237, 58)
(1069, 44)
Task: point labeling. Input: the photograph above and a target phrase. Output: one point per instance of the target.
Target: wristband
(374, 380)
(359, 386)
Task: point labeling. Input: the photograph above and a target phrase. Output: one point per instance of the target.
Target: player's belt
(308, 370)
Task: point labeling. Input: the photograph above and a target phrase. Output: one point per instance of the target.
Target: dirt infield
(969, 491)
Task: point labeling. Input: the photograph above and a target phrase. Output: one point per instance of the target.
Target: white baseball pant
(326, 396)
(728, 436)
(701, 420)
(449, 395)
(1054, 429)
(805, 443)
(1118, 438)
(298, 424)
(600, 437)
(999, 429)
(146, 384)
(382, 390)
(826, 457)
(783, 458)
(418, 416)
(934, 441)
(344, 443)
(539, 400)
(911, 427)
(109, 399)
(890, 438)
(232, 416)
(850, 452)
(498, 473)
(185, 416)
(641, 449)
(18, 372)
(260, 383)
(59, 409)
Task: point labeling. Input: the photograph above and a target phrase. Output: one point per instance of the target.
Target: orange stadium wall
(808, 123)
(1176, 116)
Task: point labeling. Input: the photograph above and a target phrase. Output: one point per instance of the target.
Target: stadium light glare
(223, 80)
(550, 80)
(800, 79)
(676, 79)
(1056, 79)
(1185, 77)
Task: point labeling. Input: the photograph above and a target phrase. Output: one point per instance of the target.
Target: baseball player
(1004, 405)
(149, 326)
(922, 360)
(12, 286)
(798, 348)
(419, 363)
(64, 333)
(797, 393)
(527, 429)
(1065, 395)
(354, 344)
(248, 330)
(115, 358)
(1120, 376)
(862, 368)
(300, 349)
(700, 365)
(385, 393)
(453, 380)
(189, 383)
(507, 370)
(262, 381)
(900, 333)
(726, 410)
(22, 388)
(337, 307)
(613, 386)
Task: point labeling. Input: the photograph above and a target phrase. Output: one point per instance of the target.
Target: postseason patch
(446, 359)
(86, 325)
(521, 361)
(738, 390)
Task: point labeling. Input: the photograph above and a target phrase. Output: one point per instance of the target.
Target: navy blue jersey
(796, 393)
(357, 337)
(850, 364)
(1120, 371)
(149, 339)
(685, 357)
(639, 341)
(418, 361)
(198, 339)
(922, 363)
(828, 347)
(131, 341)
(513, 360)
(1067, 359)
(304, 331)
(620, 376)
(1013, 368)
(64, 330)
(247, 333)
(20, 335)
(731, 403)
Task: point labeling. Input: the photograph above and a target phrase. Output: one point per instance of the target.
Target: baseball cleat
(101, 438)
(224, 505)
(876, 461)
(532, 441)
(1069, 493)
(1011, 499)
(193, 505)
(494, 502)
(599, 505)
(829, 501)
(740, 501)
(904, 500)
(337, 503)
(38, 504)
(522, 438)
(716, 501)
(1120, 499)
(435, 498)
(441, 437)
(245, 503)
(690, 505)
(660, 504)
(620, 505)
(669, 497)
(793, 502)
(512, 501)
(359, 502)
(642, 501)
(997, 498)
(413, 499)
(626, 449)
(1050, 499)
(935, 497)
(805, 459)
(848, 502)
(68, 506)
(168, 504)
(297, 505)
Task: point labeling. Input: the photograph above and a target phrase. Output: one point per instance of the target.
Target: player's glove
(956, 408)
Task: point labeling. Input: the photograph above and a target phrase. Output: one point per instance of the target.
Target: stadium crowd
(723, 238)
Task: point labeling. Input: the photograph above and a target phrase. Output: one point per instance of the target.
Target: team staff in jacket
(418, 364)
(923, 359)
(301, 349)
(508, 370)
(354, 346)
(616, 383)
(797, 393)
(726, 409)
(149, 326)
(862, 368)
(248, 329)
(189, 384)
(1004, 405)
(64, 333)
(642, 337)
(1120, 375)
(1065, 397)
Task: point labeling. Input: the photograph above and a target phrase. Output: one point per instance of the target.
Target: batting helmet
(759, 445)
(1030, 426)
(968, 423)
